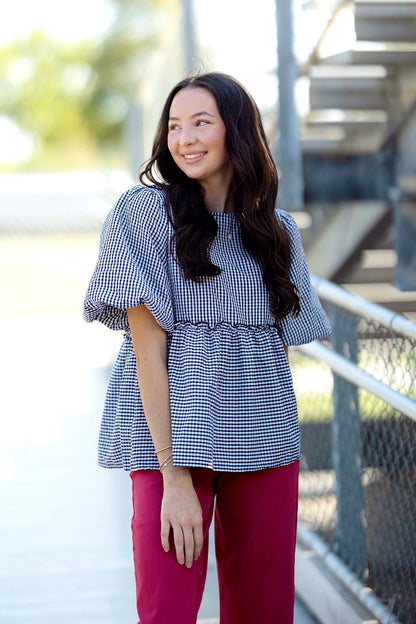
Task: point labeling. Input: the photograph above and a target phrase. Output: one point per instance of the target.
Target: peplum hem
(232, 402)
(232, 399)
(213, 325)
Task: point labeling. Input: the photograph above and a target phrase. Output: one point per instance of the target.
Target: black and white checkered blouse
(232, 402)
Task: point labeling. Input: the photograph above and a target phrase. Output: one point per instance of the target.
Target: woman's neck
(217, 199)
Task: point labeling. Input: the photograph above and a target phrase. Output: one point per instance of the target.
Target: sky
(67, 21)
(242, 42)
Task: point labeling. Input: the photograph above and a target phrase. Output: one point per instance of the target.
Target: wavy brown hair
(252, 194)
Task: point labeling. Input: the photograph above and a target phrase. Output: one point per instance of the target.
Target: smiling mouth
(192, 156)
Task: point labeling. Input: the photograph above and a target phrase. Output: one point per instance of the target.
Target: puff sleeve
(312, 321)
(132, 266)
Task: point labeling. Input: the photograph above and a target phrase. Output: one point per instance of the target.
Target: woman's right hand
(181, 512)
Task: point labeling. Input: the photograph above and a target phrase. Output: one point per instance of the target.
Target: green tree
(80, 92)
(43, 86)
(119, 62)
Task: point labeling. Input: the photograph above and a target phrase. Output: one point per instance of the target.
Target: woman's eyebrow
(194, 115)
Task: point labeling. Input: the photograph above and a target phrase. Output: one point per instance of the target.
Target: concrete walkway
(65, 552)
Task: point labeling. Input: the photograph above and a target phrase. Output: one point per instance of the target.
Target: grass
(313, 387)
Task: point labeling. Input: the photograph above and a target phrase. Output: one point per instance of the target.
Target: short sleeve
(312, 321)
(132, 266)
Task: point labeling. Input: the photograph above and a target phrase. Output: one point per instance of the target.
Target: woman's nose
(187, 136)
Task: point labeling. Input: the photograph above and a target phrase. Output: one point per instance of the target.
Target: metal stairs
(362, 102)
(385, 20)
(367, 88)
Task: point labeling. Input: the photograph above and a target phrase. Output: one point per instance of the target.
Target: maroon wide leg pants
(255, 536)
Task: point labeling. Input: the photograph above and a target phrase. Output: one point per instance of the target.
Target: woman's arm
(181, 510)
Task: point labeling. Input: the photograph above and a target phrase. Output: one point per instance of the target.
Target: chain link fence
(358, 467)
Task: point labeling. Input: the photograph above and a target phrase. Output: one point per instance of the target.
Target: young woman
(210, 285)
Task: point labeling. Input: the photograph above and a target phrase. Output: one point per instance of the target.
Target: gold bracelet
(166, 462)
(164, 449)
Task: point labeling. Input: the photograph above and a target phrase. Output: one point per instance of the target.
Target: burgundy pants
(255, 535)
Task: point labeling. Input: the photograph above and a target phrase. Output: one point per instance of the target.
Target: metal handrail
(353, 303)
(348, 370)
(343, 367)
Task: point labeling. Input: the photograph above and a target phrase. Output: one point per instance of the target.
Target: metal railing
(357, 407)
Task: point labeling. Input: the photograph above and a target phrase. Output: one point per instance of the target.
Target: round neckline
(215, 212)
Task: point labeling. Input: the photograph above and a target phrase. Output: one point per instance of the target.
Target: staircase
(359, 150)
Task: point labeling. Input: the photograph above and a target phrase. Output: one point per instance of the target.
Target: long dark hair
(252, 194)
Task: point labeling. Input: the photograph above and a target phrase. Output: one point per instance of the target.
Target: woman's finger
(189, 545)
(164, 534)
(179, 543)
(198, 540)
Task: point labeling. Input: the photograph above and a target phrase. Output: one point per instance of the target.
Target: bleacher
(359, 154)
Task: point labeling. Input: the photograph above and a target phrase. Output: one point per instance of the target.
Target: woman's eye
(202, 122)
(173, 127)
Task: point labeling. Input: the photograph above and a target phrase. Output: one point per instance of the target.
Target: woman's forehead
(193, 100)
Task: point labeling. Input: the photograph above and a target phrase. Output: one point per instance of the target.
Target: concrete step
(323, 141)
(371, 276)
(350, 121)
(385, 20)
(348, 87)
(333, 139)
(342, 235)
(388, 55)
(374, 266)
(330, 600)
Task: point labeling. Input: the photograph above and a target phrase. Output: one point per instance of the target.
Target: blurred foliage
(45, 86)
(119, 63)
(79, 93)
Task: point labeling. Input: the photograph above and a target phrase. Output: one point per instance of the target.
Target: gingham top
(232, 402)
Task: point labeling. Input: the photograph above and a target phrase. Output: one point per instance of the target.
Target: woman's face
(196, 138)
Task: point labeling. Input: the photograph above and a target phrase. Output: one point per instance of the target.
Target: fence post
(347, 450)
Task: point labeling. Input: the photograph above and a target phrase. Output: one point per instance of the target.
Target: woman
(210, 285)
